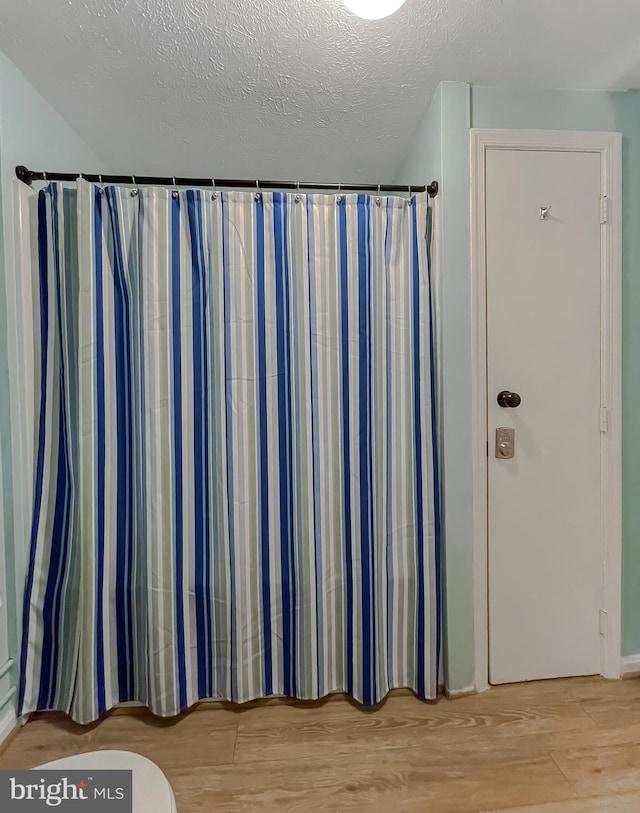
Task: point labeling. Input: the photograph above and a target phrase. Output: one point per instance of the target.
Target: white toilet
(152, 792)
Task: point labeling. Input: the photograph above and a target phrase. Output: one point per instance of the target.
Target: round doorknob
(509, 399)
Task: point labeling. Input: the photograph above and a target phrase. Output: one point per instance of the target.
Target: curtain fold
(235, 474)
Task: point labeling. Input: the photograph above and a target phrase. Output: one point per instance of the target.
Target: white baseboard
(630, 665)
(464, 692)
(8, 721)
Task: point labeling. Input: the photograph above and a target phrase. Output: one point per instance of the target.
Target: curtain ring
(100, 180)
(257, 194)
(378, 188)
(44, 177)
(214, 194)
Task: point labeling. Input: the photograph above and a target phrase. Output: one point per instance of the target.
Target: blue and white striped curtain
(235, 476)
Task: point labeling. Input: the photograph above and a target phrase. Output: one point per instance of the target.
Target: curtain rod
(28, 176)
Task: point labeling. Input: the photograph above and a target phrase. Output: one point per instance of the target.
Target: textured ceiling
(295, 88)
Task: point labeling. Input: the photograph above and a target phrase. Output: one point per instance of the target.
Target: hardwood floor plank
(276, 733)
(542, 691)
(596, 690)
(589, 738)
(627, 803)
(601, 771)
(437, 748)
(389, 781)
(583, 689)
(43, 740)
(614, 712)
(198, 739)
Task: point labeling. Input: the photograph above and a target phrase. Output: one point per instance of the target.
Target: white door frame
(609, 145)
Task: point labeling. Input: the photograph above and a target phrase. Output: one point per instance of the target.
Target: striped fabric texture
(235, 480)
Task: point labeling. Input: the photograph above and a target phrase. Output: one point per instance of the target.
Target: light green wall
(464, 106)
(31, 133)
(423, 163)
(440, 152)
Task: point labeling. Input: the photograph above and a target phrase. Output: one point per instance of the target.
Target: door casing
(609, 145)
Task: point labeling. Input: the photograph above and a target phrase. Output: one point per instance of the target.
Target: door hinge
(604, 419)
(604, 209)
(603, 623)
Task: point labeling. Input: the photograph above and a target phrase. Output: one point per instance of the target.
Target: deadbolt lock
(505, 443)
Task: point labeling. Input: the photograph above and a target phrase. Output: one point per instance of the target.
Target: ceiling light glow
(373, 9)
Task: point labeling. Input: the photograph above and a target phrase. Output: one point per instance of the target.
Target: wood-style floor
(565, 746)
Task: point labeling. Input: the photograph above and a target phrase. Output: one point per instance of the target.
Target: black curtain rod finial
(28, 176)
(24, 175)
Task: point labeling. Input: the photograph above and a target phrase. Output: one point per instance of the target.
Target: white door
(543, 343)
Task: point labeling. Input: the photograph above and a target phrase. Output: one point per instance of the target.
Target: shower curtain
(235, 484)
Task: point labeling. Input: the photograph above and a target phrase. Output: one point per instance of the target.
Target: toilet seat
(152, 792)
